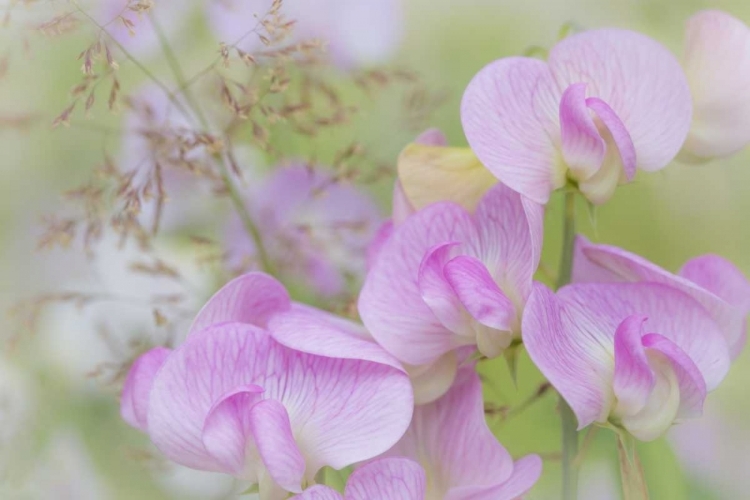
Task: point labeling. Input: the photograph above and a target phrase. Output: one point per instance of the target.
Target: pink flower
(637, 355)
(232, 399)
(711, 280)
(447, 279)
(382, 479)
(315, 228)
(359, 33)
(717, 64)
(463, 460)
(607, 102)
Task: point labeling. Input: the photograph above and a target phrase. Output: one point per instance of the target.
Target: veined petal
(135, 392)
(430, 174)
(387, 479)
(402, 207)
(639, 79)
(391, 304)
(526, 472)
(272, 432)
(701, 280)
(575, 359)
(319, 492)
(717, 65)
(582, 147)
(633, 377)
(510, 232)
(506, 126)
(438, 293)
(620, 136)
(252, 298)
(227, 432)
(689, 379)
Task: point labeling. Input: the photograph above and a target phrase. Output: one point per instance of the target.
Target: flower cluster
(272, 391)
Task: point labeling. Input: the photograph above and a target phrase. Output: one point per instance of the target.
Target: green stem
(631, 472)
(569, 423)
(234, 194)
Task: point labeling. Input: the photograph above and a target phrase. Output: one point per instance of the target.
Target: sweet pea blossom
(713, 281)
(716, 60)
(232, 399)
(448, 280)
(315, 228)
(606, 103)
(463, 460)
(382, 479)
(640, 356)
(361, 33)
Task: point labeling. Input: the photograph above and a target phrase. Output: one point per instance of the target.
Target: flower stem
(569, 424)
(234, 194)
(631, 472)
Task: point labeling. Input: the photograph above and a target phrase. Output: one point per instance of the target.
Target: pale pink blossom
(640, 356)
(716, 283)
(315, 229)
(360, 33)
(605, 103)
(383, 479)
(463, 460)
(447, 279)
(232, 399)
(716, 60)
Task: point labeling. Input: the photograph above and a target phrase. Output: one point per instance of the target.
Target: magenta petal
(387, 479)
(227, 431)
(319, 492)
(633, 379)
(577, 363)
(277, 448)
(437, 291)
(640, 80)
(479, 293)
(135, 392)
(252, 298)
(506, 127)
(691, 383)
(582, 146)
(619, 133)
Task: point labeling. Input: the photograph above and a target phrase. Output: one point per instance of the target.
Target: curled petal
(633, 378)
(507, 124)
(437, 291)
(582, 147)
(717, 65)
(618, 132)
(387, 479)
(137, 388)
(433, 380)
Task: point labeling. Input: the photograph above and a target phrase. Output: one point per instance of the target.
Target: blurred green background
(667, 217)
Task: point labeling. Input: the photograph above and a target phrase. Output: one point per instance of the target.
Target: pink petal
(135, 392)
(387, 479)
(507, 128)
(577, 363)
(691, 383)
(433, 380)
(319, 492)
(341, 411)
(619, 133)
(391, 304)
(402, 207)
(720, 277)
(633, 378)
(510, 232)
(717, 65)
(582, 146)
(604, 263)
(252, 298)
(479, 293)
(276, 444)
(227, 431)
(382, 235)
(639, 79)
(526, 472)
(438, 293)
(432, 137)
(451, 439)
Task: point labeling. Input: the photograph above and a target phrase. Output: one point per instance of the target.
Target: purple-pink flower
(717, 64)
(315, 229)
(605, 103)
(713, 281)
(447, 279)
(635, 355)
(233, 399)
